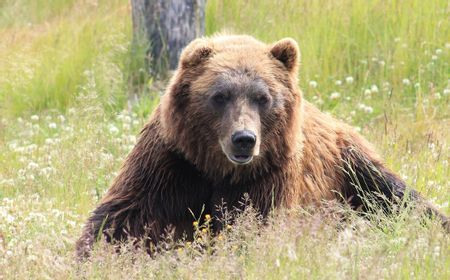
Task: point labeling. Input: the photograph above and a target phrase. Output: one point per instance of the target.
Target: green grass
(18, 13)
(376, 42)
(46, 65)
(68, 76)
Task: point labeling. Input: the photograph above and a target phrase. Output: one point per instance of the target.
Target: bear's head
(233, 105)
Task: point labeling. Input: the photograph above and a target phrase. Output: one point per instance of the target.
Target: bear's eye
(262, 99)
(220, 98)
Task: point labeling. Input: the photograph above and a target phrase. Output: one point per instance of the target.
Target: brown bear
(233, 122)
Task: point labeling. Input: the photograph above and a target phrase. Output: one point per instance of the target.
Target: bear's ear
(286, 50)
(195, 53)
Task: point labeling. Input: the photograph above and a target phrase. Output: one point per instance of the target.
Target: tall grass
(375, 42)
(18, 13)
(68, 72)
(335, 36)
(44, 65)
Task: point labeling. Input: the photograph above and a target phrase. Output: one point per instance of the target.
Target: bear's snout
(243, 141)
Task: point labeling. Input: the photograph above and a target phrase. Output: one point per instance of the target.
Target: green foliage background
(74, 95)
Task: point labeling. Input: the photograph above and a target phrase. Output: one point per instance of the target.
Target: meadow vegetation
(69, 114)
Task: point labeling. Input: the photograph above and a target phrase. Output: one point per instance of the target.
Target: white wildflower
(338, 82)
(313, 84)
(46, 171)
(406, 82)
(12, 146)
(9, 219)
(436, 251)
(52, 125)
(34, 118)
(349, 80)
(446, 91)
(113, 129)
(318, 100)
(32, 258)
(366, 109)
(335, 95)
(21, 174)
(438, 51)
(68, 129)
(7, 182)
(374, 89)
(434, 57)
(277, 263)
(32, 165)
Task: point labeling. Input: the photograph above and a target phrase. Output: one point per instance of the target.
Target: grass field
(67, 75)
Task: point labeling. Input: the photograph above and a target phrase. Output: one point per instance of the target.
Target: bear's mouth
(237, 157)
(240, 159)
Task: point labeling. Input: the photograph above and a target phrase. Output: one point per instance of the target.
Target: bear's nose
(244, 140)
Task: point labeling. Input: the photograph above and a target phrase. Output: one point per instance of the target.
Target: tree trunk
(165, 27)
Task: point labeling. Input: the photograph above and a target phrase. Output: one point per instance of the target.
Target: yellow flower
(229, 226)
(195, 224)
(207, 217)
(204, 230)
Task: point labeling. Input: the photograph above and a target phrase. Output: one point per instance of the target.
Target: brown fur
(178, 164)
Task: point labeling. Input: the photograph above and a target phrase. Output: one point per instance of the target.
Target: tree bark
(165, 27)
